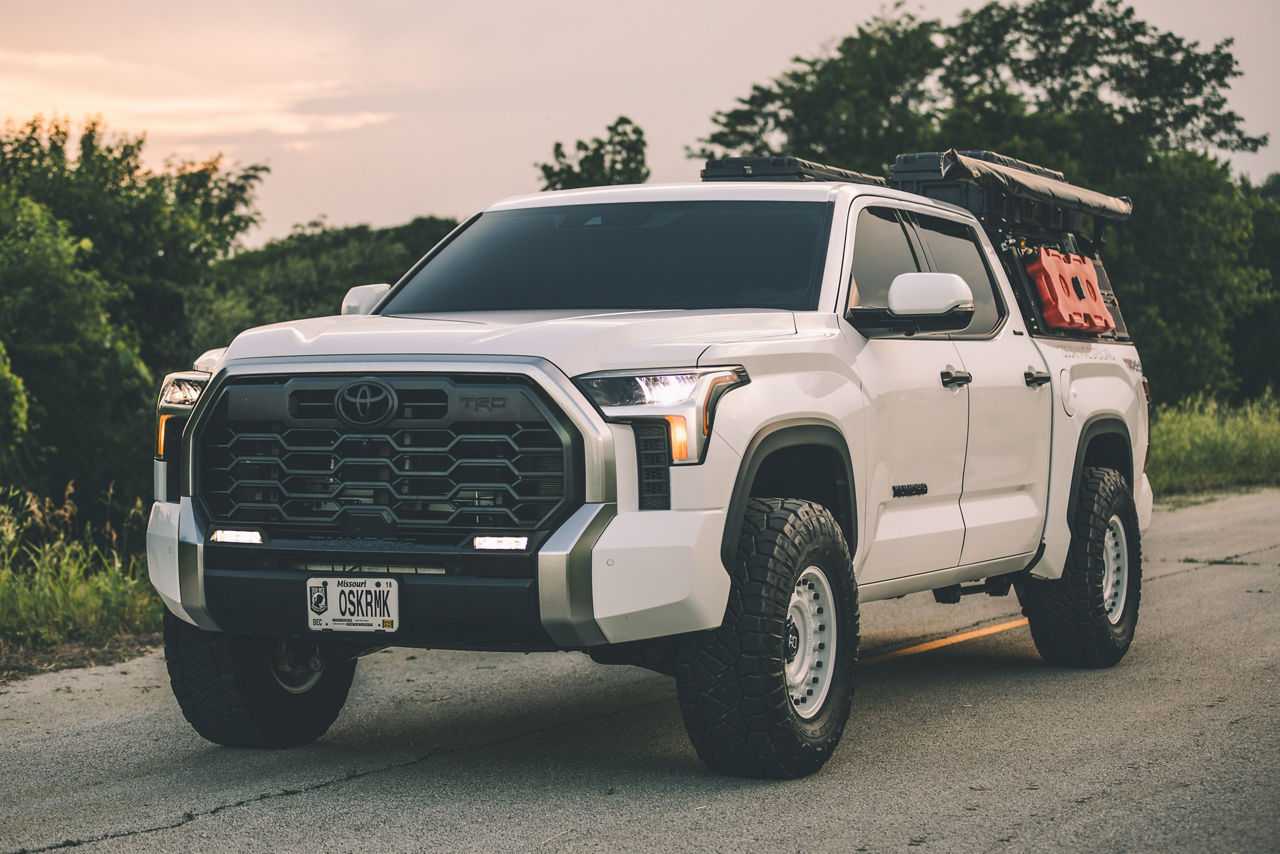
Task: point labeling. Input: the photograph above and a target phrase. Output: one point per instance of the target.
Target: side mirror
(208, 360)
(918, 302)
(362, 298)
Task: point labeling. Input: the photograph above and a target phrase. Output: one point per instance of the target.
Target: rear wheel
(1087, 617)
(768, 693)
(255, 692)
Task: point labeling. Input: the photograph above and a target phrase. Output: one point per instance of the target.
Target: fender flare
(775, 437)
(1098, 425)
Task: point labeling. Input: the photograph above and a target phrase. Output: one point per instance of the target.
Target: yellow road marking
(941, 642)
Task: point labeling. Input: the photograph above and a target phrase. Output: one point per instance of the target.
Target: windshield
(646, 255)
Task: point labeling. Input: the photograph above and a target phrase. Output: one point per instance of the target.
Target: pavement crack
(192, 815)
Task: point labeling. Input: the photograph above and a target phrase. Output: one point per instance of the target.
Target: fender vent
(653, 460)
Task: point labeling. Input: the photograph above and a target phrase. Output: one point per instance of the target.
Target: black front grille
(456, 456)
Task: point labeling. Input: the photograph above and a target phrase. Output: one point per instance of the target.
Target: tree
(13, 410)
(152, 235)
(1257, 351)
(1072, 56)
(305, 274)
(88, 395)
(616, 160)
(891, 86)
(872, 97)
(1182, 274)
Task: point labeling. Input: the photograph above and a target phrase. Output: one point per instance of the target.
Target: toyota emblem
(365, 402)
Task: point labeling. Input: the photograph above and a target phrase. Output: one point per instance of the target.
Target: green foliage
(61, 582)
(151, 236)
(87, 389)
(304, 275)
(1086, 56)
(1181, 271)
(600, 162)
(1256, 344)
(1201, 444)
(893, 86)
(97, 258)
(873, 97)
(13, 408)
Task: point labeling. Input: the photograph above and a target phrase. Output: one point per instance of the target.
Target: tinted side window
(954, 249)
(880, 253)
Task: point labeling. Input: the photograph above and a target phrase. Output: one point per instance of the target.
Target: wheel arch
(1104, 441)
(808, 460)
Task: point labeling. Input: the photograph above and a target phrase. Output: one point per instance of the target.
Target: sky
(376, 112)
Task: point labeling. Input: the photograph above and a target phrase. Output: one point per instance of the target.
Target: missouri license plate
(353, 604)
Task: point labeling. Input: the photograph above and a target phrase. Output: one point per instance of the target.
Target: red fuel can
(1069, 294)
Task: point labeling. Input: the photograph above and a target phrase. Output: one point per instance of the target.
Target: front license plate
(353, 604)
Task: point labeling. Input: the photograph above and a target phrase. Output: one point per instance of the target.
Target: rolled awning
(1026, 185)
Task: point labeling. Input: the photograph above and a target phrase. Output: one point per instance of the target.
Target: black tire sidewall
(732, 681)
(227, 691)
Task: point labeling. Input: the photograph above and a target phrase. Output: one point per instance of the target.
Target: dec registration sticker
(353, 604)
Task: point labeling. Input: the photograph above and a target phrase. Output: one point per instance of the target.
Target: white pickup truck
(688, 427)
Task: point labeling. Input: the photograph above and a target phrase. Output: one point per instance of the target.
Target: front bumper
(603, 577)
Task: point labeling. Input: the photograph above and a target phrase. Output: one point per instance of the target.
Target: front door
(917, 428)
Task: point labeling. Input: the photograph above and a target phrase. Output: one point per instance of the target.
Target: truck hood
(577, 343)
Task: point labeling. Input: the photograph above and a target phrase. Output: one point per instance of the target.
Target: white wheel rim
(1115, 570)
(810, 642)
(295, 667)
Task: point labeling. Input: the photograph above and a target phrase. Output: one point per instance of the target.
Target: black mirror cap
(879, 322)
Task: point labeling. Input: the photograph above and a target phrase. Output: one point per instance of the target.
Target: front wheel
(768, 693)
(255, 692)
(1087, 617)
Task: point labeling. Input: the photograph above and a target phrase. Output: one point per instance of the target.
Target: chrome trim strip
(191, 539)
(160, 480)
(564, 577)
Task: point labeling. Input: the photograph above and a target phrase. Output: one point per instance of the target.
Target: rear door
(1010, 403)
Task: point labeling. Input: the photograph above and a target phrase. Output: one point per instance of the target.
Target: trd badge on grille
(365, 402)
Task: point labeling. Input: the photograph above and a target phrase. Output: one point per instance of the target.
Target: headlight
(685, 398)
(178, 396)
(181, 391)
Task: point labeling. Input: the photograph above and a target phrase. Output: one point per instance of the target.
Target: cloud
(173, 102)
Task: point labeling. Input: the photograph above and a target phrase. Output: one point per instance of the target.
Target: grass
(66, 583)
(1201, 444)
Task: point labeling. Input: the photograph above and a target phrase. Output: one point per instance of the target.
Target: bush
(64, 582)
(1201, 444)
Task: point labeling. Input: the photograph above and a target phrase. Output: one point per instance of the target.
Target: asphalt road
(975, 746)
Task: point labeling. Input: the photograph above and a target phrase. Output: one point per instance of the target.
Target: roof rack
(781, 169)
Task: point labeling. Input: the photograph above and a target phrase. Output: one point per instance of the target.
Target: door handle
(950, 378)
(1035, 379)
